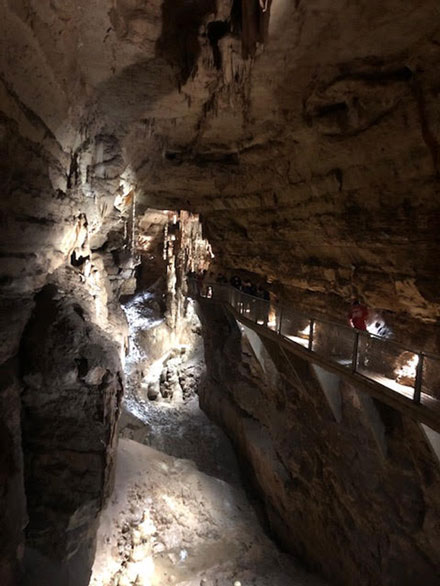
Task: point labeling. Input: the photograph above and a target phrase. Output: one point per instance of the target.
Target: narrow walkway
(342, 350)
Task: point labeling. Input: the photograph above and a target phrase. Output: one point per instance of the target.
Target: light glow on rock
(406, 373)
(305, 332)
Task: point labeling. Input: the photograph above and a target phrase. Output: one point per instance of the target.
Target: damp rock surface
(354, 494)
(164, 369)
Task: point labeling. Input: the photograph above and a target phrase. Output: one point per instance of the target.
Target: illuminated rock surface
(307, 137)
(356, 494)
(315, 163)
(168, 523)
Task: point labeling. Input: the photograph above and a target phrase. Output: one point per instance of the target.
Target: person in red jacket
(358, 316)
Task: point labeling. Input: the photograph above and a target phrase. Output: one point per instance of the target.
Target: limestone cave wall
(306, 135)
(66, 362)
(356, 494)
(62, 331)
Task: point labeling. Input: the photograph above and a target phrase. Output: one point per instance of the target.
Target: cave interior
(293, 146)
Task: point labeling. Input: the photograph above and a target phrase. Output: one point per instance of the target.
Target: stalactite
(255, 25)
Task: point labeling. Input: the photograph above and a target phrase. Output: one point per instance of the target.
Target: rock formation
(354, 491)
(305, 134)
(170, 523)
(69, 368)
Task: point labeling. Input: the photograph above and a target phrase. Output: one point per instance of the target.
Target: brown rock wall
(314, 162)
(358, 499)
(48, 217)
(13, 517)
(69, 369)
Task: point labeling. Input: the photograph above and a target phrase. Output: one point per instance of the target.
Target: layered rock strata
(70, 368)
(50, 235)
(309, 144)
(352, 489)
(306, 134)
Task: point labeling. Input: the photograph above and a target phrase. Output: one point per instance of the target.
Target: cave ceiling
(307, 136)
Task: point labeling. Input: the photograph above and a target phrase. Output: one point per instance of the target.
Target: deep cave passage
(178, 513)
(219, 243)
(172, 520)
(173, 510)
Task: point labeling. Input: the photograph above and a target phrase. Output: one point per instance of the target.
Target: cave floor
(186, 522)
(183, 431)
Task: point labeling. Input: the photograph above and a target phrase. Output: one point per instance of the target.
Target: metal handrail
(245, 299)
(338, 324)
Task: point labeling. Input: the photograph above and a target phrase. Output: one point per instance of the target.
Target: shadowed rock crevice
(71, 397)
(179, 42)
(216, 31)
(254, 25)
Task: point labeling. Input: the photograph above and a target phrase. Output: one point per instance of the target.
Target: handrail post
(419, 379)
(354, 360)
(281, 318)
(311, 333)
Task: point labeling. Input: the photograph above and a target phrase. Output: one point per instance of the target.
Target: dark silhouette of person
(235, 282)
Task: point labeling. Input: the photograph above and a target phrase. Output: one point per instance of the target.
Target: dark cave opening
(216, 31)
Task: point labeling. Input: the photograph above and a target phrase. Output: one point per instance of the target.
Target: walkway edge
(418, 412)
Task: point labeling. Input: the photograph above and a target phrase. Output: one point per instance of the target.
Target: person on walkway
(247, 287)
(263, 305)
(263, 293)
(235, 282)
(358, 316)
